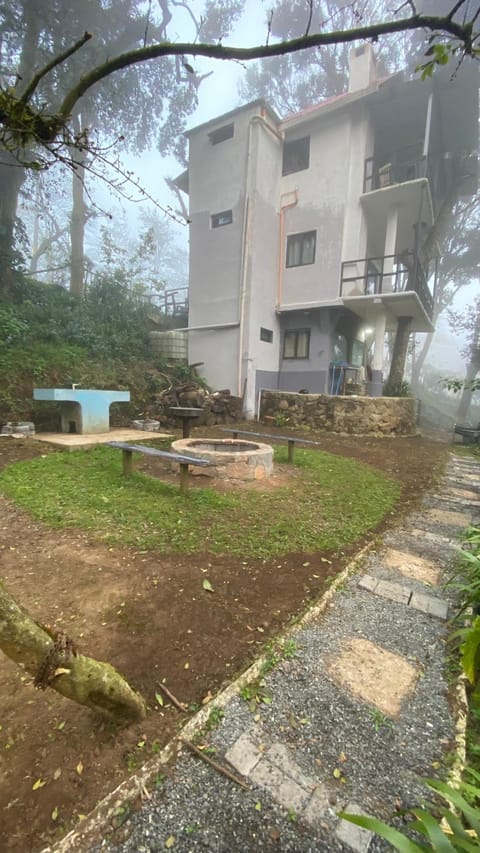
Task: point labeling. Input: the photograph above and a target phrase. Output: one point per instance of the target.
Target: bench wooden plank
(184, 461)
(153, 451)
(290, 439)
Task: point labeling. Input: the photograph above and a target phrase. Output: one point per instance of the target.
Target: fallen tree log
(54, 662)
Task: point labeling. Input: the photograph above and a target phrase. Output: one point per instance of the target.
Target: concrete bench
(83, 410)
(291, 440)
(470, 435)
(183, 461)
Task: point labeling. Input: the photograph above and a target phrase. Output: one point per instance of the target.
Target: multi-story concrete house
(307, 235)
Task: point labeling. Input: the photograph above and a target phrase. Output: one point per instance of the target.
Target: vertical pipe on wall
(244, 271)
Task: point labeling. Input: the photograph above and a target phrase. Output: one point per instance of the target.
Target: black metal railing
(386, 274)
(397, 170)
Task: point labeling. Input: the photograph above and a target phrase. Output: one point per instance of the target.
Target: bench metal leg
(127, 461)
(291, 447)
(184, 477)
(235, 433)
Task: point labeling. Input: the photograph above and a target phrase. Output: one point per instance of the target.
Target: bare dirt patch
(147, 614)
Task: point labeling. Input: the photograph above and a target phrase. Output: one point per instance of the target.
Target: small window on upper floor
(223, 218)
(266, 335)
(221, 134)
(296, 155)
(301, 249)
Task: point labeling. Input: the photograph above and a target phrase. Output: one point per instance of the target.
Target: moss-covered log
(89, 682)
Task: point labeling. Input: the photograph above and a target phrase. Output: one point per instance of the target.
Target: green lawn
(331, 503)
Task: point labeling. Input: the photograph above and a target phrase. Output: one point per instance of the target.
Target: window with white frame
(296, 343)
(301, 249)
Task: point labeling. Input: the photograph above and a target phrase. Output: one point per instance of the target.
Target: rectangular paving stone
(472, 478)
(281, 757)
(284, 790)
(436, 538)
(411, 566)
(369, 583)
(449, 518)
(429, 604)
(466, 494)
(394, 592)
(319, 807)
(373, 674)
(244, 754)
(450, 498)
(353, 836)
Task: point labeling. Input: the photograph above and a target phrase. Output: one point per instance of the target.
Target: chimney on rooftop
(362, 68)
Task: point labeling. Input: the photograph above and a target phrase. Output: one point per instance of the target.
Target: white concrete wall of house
(215, 349)
(321, 191)
(261, 258)
(360, 146)
(361, 67)
(217, 175)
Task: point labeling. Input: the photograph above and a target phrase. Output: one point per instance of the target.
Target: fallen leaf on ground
(207, 585)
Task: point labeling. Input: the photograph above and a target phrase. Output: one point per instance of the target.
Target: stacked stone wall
(351, 415)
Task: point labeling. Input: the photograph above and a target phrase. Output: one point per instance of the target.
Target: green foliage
(442, 827)
(457, 385)
(109, 321)
(281, 419)
(12, 327)
(379, 721)
(466, 582)
(438, 53)
(332, 503)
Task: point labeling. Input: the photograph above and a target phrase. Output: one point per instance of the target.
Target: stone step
(401, 594)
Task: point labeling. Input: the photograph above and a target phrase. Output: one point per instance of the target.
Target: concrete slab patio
(73, 441)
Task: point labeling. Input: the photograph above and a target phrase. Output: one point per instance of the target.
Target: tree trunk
(472, 369)
(420, 361)
(12, 173)
(89, 682)
(399, 355)
(12, 176)
(77, 225)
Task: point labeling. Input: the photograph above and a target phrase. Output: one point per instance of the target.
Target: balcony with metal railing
(397, 167)
(386, 275)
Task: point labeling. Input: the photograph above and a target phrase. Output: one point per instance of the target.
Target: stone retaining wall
(351, 415)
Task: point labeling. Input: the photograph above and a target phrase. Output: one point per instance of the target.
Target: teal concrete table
(83, 410)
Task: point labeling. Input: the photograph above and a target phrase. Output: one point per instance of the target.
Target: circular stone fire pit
(231, 458)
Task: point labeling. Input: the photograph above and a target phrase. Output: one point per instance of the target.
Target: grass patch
(331, 503)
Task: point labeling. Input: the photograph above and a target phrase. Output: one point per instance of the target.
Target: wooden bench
(273, 438)
(470, 435)
(183, 461)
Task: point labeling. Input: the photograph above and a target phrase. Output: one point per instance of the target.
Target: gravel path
(356, 711)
